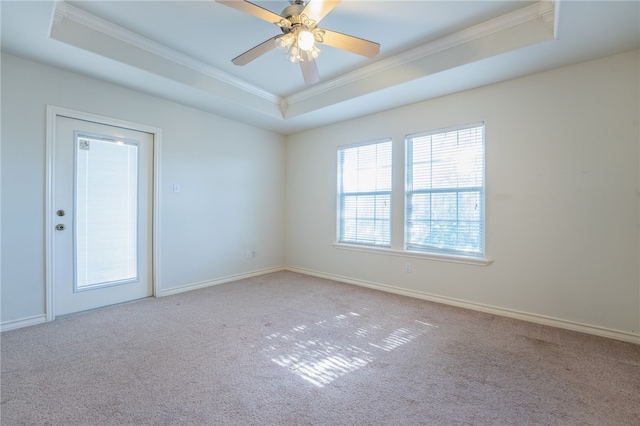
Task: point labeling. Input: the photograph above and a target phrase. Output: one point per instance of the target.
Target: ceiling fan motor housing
(293, 11)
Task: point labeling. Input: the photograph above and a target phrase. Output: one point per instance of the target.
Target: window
(364, 194)
(444, 210)
(106, 228)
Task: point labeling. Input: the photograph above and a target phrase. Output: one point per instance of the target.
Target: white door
(102, 207)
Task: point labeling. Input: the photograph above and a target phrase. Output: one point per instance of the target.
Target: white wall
(232, 178)
(562, 193)
(562, 211)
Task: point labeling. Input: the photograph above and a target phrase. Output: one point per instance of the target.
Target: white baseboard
(534, 318)
(525, 316)
(23, 322)
(209, 283)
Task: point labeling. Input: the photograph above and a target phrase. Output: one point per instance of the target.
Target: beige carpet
(287, 349)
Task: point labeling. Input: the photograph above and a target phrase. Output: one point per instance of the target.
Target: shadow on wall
(309, 352)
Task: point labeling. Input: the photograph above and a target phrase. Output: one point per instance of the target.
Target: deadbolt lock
(60, 227)
(60, 213)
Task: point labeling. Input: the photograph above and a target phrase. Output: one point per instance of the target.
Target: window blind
(364, 194)
(445, 191)
(106, 237)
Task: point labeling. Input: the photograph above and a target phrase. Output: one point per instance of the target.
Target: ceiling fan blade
(309, 70)
(256, 51)
(252, 9)
(318, 9)
(352, 44)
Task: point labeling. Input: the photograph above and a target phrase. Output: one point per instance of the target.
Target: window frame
(447, 252)
(340, 196)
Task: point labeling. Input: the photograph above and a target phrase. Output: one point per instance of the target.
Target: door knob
(60, 227)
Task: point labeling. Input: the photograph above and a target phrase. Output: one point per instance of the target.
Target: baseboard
(525, 316)
(209, 283)
(23, 322)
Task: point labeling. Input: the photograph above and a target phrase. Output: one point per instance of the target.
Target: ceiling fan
(300, 33)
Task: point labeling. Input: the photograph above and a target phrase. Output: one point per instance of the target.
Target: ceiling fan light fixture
(306, 40)
(285, 42)
(299, 45)
(293, 54)
(313, 53)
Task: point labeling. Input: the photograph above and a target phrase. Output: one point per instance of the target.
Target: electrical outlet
(253, 254)
(407, 268)
(249, 254)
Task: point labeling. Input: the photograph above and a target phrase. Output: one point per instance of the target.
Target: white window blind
(445, 191)
(364, 194)
(106, 241)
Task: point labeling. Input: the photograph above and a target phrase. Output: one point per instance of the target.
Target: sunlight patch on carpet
(320, 354)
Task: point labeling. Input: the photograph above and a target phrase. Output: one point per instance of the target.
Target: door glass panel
(106, 201)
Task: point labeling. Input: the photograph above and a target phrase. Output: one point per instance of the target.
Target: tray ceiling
(182, 50)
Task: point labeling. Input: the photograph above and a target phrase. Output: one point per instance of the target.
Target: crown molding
(64, 11)
(542, 11)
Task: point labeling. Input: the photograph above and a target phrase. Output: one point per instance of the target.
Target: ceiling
(182, 50)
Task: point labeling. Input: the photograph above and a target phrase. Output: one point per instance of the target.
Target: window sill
(469, 260)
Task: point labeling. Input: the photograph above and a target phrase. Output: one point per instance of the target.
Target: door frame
(53, 112)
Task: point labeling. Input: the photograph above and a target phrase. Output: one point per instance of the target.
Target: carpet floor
(289, 349)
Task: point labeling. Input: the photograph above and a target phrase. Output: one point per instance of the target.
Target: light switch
(176, 187)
